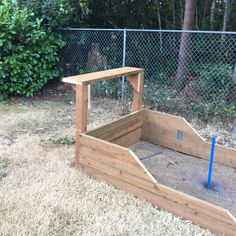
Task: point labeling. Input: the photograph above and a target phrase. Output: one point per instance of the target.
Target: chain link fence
(189, 73)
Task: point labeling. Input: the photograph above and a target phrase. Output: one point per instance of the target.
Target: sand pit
(189, 174)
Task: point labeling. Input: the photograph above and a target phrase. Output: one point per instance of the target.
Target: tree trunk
(233, 94)
(159, 22)
(232, 90)
(226, 15)
(181, 13)
(212, 17)
(173, 14)
(184, 51)
(196, 19)
(227, 9)
(205, 14)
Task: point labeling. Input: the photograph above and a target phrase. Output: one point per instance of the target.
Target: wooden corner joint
(74, 87)
(136, 81)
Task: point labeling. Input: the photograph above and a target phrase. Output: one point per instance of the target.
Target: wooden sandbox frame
(104, 154)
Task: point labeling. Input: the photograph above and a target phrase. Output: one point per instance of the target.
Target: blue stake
(211, 161)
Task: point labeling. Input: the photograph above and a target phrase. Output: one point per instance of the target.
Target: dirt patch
(220, 129)
(189, 174)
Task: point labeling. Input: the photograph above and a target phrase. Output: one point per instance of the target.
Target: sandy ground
(41, 193)
(189, 174)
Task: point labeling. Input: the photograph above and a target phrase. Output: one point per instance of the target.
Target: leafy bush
(57, 13)
(28, 53)
(214, 79)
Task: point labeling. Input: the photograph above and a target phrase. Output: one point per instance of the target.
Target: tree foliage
(57, 13)
(144, 14)
(28, 55)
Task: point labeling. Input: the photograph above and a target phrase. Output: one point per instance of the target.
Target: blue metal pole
(211, 161)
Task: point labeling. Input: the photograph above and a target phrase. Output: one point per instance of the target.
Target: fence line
(200, 83)
(150, 30)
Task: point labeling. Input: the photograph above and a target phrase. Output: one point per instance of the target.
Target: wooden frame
(104, 154)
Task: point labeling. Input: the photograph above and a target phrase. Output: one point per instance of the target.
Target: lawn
(42, 193)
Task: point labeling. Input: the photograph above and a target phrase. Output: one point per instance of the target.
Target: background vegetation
(30, 46)
(29, 55)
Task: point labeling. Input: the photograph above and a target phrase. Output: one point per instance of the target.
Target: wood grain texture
(89, 78)
(129, 138)
(101, 154)
(203, 213)
(81, 114)
(124, 131)
(81, 107)
(161, 129)
(113, 155)
(137, 83)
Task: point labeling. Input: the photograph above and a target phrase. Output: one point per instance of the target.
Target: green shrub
(214, 79)
(57, 13)
(28, 54)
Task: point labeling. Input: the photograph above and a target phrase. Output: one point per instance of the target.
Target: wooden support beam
(81, 113)
(137, 83)
(89, 94)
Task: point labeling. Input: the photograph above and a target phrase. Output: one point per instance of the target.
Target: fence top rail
(149, 30)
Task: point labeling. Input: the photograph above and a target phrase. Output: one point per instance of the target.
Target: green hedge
(28, 54)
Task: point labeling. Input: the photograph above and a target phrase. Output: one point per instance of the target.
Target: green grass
(2, 175)
(61, 140)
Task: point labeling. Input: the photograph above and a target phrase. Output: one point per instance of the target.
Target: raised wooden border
(120, 167)
(161, 129)
(82, 82)
(100, 153)
(125, 131)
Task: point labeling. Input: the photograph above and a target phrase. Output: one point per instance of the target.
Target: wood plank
(113, 154)
(196, 204)
(137, 83)
(89, 78)
(163, 191)
(196, 215)
(89, 94)
(81, 107)
(81, 113)
(113, 170)
(133, 80)
(128, 138)
(162, 120)
(107, 131)
(161, 129)
(128, 167)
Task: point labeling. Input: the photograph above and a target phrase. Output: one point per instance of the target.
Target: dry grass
(41, 193)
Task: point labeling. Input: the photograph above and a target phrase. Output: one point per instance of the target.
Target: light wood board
(186, 206)
(161, 129)
(89, 78)
(124, 131)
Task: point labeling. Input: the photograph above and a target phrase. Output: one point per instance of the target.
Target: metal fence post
(123, 64)
(210, 79)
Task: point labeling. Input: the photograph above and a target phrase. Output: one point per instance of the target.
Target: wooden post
(81, 113)
(137, 83)
(81, 84)
(89, 94)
